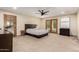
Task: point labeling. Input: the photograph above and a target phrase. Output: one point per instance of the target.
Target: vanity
(6, 40)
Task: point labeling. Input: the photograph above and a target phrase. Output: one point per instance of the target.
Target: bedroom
(32, 16)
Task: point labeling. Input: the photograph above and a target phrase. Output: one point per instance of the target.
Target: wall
(78, 25)
(73, 23)
(21, 21)
(33, 20)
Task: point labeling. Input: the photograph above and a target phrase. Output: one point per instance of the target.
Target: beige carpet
(50, 43)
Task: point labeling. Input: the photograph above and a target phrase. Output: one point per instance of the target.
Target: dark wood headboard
(30, 26)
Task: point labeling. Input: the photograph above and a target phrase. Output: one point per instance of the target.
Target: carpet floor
(50, 43)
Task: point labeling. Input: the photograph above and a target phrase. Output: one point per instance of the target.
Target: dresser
(65, 31)
(6, 40)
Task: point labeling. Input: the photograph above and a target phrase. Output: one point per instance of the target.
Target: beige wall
(78, 25)
(33, 20)
(21, 21)
(73, 23)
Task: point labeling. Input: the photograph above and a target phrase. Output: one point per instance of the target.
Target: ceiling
(53, 11)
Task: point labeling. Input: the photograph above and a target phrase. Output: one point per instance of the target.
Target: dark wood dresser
(65, 31)
(6, 42)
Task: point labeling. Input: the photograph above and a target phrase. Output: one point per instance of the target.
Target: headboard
(30, 26)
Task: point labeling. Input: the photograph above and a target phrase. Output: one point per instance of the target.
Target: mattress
(37, 31)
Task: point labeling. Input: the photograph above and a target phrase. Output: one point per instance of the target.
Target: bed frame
(31, 26)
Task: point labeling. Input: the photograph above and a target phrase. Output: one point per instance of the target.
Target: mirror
(10, 24)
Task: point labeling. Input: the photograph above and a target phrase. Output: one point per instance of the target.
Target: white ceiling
(54, 11)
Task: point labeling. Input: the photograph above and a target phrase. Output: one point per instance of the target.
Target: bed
(30, 29)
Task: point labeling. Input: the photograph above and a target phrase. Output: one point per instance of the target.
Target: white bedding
(37, 31)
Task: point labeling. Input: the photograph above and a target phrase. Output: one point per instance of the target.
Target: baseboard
(73, 35)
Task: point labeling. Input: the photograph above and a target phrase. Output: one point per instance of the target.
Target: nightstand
(22, 32)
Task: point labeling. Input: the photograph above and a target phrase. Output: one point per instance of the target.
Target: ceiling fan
(42, 12)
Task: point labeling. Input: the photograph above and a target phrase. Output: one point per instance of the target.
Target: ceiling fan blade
(46, 12)
(40, 11)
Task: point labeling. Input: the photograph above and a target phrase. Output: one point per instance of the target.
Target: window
(65, 22)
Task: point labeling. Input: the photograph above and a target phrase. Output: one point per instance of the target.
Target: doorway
(51, 25)
(10, 24)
